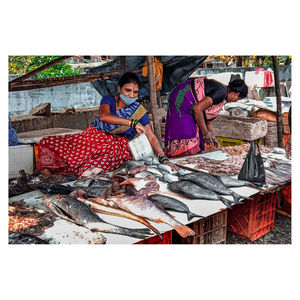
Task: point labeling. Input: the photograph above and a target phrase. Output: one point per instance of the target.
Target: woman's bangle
(162, 159)
(135, 123)
(206, 133)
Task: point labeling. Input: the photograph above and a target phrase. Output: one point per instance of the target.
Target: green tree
(25, 64)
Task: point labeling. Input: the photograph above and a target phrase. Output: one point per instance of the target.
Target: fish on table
(210, 182)
(73, 210)
(170, 203)
(111, 208)
(194, 191)
(98, 189)
(229, 181)
(145, 208)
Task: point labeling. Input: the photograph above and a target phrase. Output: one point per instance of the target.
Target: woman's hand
(216, 142)
(208, 138)
(140, 129)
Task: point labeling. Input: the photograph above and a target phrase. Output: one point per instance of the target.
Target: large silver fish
(194, 191)
(212, 183)
(73, 210)
(228, 181)
(145, 208)
(170, 203)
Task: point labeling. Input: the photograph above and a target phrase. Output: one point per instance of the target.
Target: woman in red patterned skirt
(103, 146)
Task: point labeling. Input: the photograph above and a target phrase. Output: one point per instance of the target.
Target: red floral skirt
(73, 154)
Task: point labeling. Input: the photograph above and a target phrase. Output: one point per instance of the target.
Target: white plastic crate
(20, 157)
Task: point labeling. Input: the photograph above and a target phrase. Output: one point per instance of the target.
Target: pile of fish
(230, 166)
(133, 192)
(28, 182)
(278, 172)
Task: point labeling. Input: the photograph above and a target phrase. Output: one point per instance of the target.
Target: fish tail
(191, 215)
(238, 197)
(184, 231)
(226, 202)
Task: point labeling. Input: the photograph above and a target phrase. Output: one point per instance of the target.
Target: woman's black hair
(238, 86)
(129, 77)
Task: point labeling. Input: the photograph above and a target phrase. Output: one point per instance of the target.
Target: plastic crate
(285, 123)
(234, 142)
(285, 139)
(287, 194)
(284, 206)
(210, 230)
(253, 218)
(166, 239)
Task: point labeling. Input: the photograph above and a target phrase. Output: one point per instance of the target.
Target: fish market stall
(64, 232)
(135, 187)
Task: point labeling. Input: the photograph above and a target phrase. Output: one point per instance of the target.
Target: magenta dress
(182, 135)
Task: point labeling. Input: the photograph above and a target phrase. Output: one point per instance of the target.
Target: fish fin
(237, 198)
(191, 215)
(226, 202)
(184, 231)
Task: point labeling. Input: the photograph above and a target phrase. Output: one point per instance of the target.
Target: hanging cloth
(158, 72)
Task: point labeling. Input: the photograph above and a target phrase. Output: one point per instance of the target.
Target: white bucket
(140, 147)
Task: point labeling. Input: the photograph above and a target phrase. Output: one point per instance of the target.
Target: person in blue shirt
(104, 144)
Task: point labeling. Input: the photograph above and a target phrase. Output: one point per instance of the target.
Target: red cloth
(72, 154)
(268, 78)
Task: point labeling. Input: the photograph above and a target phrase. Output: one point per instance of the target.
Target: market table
(64, 232)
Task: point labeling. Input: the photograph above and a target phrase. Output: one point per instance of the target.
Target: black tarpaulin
(176, 69)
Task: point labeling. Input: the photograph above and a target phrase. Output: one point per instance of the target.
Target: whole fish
(114, 210)
(145, 208)
(145, 175)
(56, 188)
(92, 191)
(151, 161)
(75, 211)
(212, 183)
(228, 181)
(194, 191)
(169, 178)
(83, 182)
(155, 171)
(181, 172)
(165, 168)
(173, 204)
(137, 169)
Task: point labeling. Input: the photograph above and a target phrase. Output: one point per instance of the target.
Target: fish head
(52, 203)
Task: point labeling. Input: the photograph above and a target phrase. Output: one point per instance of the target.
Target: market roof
(176, 69)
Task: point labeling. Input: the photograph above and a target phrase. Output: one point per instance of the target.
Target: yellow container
(234, 142)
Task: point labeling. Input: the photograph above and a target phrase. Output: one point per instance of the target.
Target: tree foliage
(25, 64)
(255, 60)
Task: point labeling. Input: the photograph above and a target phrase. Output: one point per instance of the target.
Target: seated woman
(104, 144)
(193, 105)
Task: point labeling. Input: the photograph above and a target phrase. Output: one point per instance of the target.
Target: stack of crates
(210, 230)
(253, 218)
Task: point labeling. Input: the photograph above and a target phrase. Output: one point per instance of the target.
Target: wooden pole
(123, 64)
(153, 100)
(278, 102)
